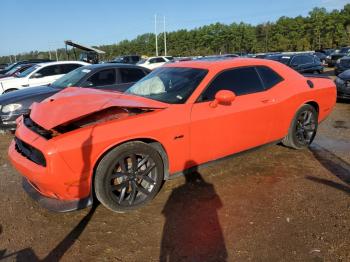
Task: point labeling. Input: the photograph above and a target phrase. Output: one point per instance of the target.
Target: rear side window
(50, 70)
(298, 60)
(69, 67)
(268, 76)
(308, 59)
(103, 78)
(129, 75)
(157, 60)
(241, 81)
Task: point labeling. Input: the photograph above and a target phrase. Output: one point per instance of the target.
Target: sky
(43, 25)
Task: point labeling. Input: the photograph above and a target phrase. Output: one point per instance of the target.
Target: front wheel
(303, 128)
(128, 176)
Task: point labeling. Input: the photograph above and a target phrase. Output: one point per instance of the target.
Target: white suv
(154, 62)
(39, 74)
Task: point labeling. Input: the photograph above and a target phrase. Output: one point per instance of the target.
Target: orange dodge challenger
(119, 147)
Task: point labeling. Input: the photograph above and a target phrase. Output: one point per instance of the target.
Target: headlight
(10, 108)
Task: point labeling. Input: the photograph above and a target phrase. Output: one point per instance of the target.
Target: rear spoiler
(316, 76)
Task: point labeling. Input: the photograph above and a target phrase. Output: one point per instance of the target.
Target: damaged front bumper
(55, 204)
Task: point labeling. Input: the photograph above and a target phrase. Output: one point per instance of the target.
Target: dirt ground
(273, 204)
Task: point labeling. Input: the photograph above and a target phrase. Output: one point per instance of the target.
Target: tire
(303, 128)
(129, 176)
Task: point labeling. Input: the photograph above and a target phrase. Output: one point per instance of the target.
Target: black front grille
(30, 152)
(28, 122)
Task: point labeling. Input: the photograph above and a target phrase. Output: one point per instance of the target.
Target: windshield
(10, 66)
(141, 61)
(71, 79)
(13, 70)
(285, 59)
(28, 71)
(344, 50)
(171, 85)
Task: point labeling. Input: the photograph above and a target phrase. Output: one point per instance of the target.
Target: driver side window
(49, 71)
(102, 78)
(241, 81)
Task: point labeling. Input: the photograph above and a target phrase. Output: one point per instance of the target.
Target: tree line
(320, 29)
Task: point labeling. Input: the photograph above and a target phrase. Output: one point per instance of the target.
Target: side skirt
(209, 163)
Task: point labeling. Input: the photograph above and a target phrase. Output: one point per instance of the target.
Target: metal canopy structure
(83, 47)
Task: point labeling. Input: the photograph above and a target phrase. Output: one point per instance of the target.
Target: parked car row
(39, 74)
(31, 61)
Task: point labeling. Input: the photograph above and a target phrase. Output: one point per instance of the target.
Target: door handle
(25, 85)
(268, 100)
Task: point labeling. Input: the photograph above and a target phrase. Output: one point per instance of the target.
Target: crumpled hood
(74, 102)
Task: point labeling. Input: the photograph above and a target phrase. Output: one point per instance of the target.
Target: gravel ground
(273, 204)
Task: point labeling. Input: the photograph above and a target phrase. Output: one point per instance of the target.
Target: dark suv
(303, 63)
(337, 55)
(343, 85)
(342, 64)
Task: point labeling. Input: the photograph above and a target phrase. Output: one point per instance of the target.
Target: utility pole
(155, 32)
(165, 51)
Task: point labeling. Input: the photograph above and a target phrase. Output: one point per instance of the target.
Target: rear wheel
(303, 128)
(128, 176)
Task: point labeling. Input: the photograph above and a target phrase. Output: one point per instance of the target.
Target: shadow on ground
(55, 254)
(192, 230)
(335, 165)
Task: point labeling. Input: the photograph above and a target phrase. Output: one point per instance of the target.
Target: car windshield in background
(285, 59)
(171, 85)
(12, 71)
(28, 71)
(141, 61)
(9, 66)
(71, 79)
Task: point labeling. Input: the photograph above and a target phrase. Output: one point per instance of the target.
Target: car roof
(222, 64)
(61, 63)
(114, 65)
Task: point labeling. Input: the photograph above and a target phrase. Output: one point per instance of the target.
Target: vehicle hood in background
(73, 103)
(23, 94)
(345, 75)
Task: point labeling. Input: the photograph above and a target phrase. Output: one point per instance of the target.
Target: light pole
(155, 32)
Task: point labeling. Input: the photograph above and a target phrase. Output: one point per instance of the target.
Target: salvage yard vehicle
(342, 65)
(39, 74)
(303, 63)
(15, 71)
(30, 61)
(154, 62)
(111, 77)
(337, 55)
(343, 85)
(121, 146)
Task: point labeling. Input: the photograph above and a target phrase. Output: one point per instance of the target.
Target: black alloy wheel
(129, 176)
(303, 128)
